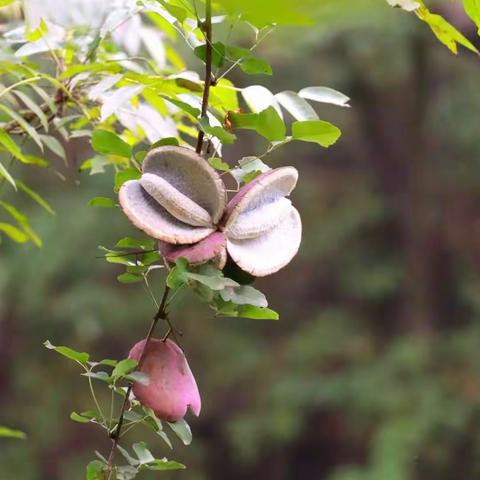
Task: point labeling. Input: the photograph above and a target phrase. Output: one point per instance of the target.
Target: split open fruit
(181, 201)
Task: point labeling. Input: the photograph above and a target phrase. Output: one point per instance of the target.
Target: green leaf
(211, 277)
(156, 425)
(34, 160)
(29, 103)
(132, 259)
(182, 430)
(95, 165)
(143, 453)
(137, 269)
(11, 146)
(219, 164)
(84, 417)
(248, 169)
(325, 95)
(108, 361)
(195, 112)
(225, 137)
(168, 140)
(217, 282)
(297, 106)
(472, 9)
(317, 131)
(106, 142)
(244, 295)
(128, 278)
(33, 134)
(117, 99)
(230, 309)
(47, 98)
(132, 461)
(219, 132)
(103, 202)
(142, 243)
(4, 173)
(79, 357)
(270, 125)
(138, 377)
(126, 472)
(95, 470)
(22, 220)
(133, 416)
(123, 367)
(4, 3)
(218, 53)
(35, 197)
(149, 257)
(164, 465)
(178, 274)
(248, 62)
(258, 98)
(125, 175)
(140, 150)
(38, 33)
(224, 95)
(444, 31)
(189, 84)
(54, 145)
(267, 123)
(180, 13)
(102, 376)
(120, 258)
(244, 120)
(6, 432)
(256, 66)
(14, 233)
(257, 313)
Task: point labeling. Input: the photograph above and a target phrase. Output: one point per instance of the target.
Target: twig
(207, 29)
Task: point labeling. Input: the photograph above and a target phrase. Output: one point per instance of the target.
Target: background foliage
(372, 372)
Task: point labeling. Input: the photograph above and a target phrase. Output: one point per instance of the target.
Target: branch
(207, 29)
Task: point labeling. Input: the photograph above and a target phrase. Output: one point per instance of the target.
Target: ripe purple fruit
(171, 387)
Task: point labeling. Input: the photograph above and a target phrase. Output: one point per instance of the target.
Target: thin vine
(161, 314)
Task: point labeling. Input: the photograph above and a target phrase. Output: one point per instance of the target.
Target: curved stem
(95, 401)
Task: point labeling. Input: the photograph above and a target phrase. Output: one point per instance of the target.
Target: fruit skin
(212, 247)
(181, 201)
(172, 388)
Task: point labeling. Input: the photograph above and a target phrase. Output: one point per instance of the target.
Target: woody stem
(207, 30)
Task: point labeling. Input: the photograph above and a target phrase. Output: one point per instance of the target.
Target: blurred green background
(372, 373)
